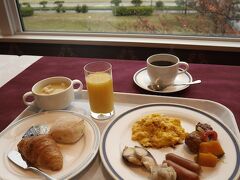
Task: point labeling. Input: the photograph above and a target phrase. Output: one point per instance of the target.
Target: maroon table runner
(219, 83)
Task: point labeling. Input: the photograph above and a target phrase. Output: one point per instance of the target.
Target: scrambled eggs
(158, 130)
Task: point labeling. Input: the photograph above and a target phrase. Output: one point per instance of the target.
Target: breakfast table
(220, 84)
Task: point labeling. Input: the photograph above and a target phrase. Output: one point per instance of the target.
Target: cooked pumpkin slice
(213, 147)
(207, 159)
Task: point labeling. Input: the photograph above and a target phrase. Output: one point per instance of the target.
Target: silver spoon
(157, 87)
(16, 158)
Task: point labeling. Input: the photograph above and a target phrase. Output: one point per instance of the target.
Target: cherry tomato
(209, 135)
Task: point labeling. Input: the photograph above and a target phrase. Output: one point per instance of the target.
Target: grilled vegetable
(211, 147)
(207, 159)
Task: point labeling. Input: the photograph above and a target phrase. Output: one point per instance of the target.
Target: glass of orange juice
(98, 76)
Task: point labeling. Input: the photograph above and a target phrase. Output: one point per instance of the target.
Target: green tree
(183, 3)
(26, 9)
(43, 3)
(221, 12)
(159, 4)
(26, 4)
(136, 2)
(116, 2)
(78, 9)
(60, 7)
(59, 3)
(81, 9)
(84, 8)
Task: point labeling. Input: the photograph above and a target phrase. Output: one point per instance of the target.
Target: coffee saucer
(142, 79)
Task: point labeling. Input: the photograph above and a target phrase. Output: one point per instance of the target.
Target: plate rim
(115, 175)
(89, 158)
(159, 92)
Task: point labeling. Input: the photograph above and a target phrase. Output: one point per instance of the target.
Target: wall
(109, 52)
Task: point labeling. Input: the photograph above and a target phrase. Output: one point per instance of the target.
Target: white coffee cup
(164, 68)
(48, 97)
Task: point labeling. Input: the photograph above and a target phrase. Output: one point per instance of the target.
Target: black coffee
(162, 63)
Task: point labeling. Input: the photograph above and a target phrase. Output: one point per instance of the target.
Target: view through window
(165, 17)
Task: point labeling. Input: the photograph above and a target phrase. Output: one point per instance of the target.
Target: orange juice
(100, 92)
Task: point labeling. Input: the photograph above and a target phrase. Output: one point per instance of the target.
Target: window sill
(211, 44)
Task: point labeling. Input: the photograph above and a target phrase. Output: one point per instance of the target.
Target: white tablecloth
(12, 65)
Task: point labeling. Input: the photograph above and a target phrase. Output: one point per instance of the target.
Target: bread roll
(67, 131)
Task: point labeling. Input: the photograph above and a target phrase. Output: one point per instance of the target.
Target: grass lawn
(180, 24)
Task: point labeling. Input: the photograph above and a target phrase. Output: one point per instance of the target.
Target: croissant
(41, 151)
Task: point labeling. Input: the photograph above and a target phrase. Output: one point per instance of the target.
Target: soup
(53, 88)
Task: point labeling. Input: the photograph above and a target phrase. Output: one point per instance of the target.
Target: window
(168, 23)
(158, 17)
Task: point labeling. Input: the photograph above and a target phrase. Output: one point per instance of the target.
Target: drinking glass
(98, 76)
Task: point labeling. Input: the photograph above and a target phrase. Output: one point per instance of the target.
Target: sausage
(182, 173)
(188, 164)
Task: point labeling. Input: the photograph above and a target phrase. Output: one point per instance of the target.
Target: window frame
(12, 32)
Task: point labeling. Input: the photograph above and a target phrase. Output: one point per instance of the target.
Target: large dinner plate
(118, 135)
(76, 157)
